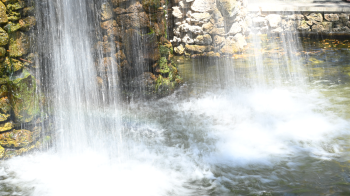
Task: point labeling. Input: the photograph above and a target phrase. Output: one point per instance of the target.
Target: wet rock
(303, 26)
(322, 27)
(15, 5)
(116, 3)
(27, 23)
(142, 52)
(17, 138)
(4, 37)
(200, 18)
(177, 12)
(179, 49)
(25, 102)
(120, 56)
(19, 44)
(109, 24)
(3, 15)
(6, 126)
(218, 42)
(331, 17)
(259, 22)
(187, 39)
(12, 27)
(198, 48)
(28, 11)
(289, 25)
(240, 41)
(228, 8)
(203, 39)
(13, 15)
(236, 28)
(203, 5)
(277, 30)
(12, 65)
(274, 20)
(314, 18)
(344, 18)
(134, 20)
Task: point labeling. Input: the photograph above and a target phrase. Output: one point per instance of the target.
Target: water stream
(273, 121)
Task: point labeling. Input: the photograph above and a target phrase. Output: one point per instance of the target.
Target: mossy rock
(19, 44)
(5, 106)
(27, 23)
(15, 6)
(4, 37)
(151, 5)
(17, 138)
(24, 99)
(11, 65)
(2, 152)
(9, 153)
(28, 11)
(6, 126)
(163, 67)
(3, 15)
(14, 16)
(3, 88)
(12, 27)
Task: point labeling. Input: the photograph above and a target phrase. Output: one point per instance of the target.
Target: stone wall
(209, 27)
(305, 22)
(134, 39)
(20, 99)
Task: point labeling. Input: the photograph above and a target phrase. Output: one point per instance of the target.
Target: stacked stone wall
(209, 28)
(304, 22)
(136, 32)
(21, 102)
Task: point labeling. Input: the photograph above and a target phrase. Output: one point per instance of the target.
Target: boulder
(228, 8)
(3, 15)
(27, 23)
(106, 11)
(198, 48)
(218, 41)
(7, 126)
(314, 18)
(4, 37)
(203, 39)
(240, 41)
(135, 20)
(235, 28)
(177, 12)
(25, 102)
(19, 44)
(179, 49)
(331, 17)
(274, 20)
(17, 138)
(203, 5)
(303, 26)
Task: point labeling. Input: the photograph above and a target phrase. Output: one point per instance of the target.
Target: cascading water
(250, 126)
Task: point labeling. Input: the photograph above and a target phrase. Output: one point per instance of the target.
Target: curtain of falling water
(66, 32)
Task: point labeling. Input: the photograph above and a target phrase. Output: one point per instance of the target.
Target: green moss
(151, 5)
(24, 99)
(164, 50)
(163, 66)
(16, 138)
(12, 27)
(4, 37)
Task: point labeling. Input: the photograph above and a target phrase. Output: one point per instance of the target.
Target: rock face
(21, 102)
(305, 22)
(135, 47)
(204, 26)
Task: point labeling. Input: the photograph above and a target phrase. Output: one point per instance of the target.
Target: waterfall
(248, 123)
(67, 34)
